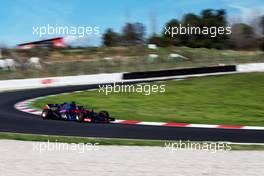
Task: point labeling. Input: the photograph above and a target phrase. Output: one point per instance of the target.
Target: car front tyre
(46, 114)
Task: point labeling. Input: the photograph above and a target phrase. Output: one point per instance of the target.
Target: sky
(18, 17)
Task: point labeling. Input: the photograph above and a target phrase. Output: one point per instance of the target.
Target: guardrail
(17, 84)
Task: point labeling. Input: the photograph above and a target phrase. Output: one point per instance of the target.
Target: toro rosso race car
(72, 112)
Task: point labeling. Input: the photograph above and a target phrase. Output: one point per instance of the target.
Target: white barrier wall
(16, 84)
(59, 81)
(254, 67)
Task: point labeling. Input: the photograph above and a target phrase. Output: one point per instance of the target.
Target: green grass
(109, 141)
(228, 99)
(72, 139)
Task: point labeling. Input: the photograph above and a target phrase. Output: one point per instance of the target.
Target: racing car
(71, 112)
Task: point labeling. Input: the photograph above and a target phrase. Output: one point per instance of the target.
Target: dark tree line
(243, 35)
(132, 34)
(261, 41)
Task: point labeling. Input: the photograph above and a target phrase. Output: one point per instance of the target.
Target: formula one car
(72, 112)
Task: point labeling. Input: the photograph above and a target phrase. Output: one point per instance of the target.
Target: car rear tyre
(80, 117)
(104, 113)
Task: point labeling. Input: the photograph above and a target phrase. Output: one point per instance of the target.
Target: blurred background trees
(111, 38)
(261, 43)
(132, 34)
(243, 37)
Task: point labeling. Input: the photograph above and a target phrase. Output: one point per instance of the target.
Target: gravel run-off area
(41, 158)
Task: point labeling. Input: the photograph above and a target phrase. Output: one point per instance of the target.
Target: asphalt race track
(12, 120)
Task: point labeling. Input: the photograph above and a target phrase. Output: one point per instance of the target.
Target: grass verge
(228, 99)
(107, 141)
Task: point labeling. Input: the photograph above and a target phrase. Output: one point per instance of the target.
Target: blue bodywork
(65, 110)
(70, 111)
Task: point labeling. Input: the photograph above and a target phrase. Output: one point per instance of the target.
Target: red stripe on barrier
(176, 124)
(130, 122)
(229, 126)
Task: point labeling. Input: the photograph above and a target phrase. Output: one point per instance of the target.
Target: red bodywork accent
(75, 110)
(46, 107)
(87, 120)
